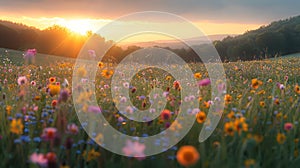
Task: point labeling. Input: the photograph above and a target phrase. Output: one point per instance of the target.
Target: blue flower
(37, 139)
(50, 120)
(17, 141)
(25, 138)
(145, 135)
(44, 114)
(81, 142)
(174, 148)
(172, 157)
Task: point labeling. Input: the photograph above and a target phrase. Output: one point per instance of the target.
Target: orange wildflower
(107, 73)
(201, 117)
(255, 83)
(187, 156)
(280, 138)
(229, 128)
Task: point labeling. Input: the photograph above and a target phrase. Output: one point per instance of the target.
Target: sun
(80, 26)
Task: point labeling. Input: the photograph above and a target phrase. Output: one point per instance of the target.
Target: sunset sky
(213, 17)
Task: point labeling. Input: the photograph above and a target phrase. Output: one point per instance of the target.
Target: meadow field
(39, 126)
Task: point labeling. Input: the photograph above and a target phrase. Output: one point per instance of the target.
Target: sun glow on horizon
(77, 25)
(81, 25)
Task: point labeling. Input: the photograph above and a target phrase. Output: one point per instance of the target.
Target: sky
(211, 16)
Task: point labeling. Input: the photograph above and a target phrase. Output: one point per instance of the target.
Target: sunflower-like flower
(255, 83)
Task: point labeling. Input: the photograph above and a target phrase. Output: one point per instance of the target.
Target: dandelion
(187, 156)
(91, 155)
(201, 117)
(280, 138)
(16, 126)
(22, 80)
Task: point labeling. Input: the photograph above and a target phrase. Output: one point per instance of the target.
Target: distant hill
(16, 26)
(175, 44)
(278, 38)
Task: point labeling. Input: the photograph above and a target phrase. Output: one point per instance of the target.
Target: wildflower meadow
(259, 125)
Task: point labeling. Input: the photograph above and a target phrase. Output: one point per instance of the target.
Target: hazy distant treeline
(281, 37)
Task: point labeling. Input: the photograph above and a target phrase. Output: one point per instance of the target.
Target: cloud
(235, 11)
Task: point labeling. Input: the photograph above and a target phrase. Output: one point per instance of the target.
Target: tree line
(278, 38)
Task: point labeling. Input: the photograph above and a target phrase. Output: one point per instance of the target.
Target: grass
(252, 142)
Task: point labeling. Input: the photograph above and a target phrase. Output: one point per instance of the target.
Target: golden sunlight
(80, 26)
